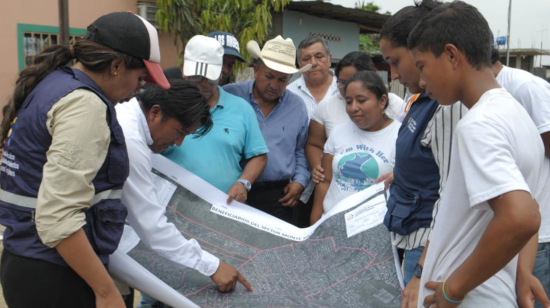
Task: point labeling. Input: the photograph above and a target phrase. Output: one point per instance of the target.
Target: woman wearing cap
(64, 164)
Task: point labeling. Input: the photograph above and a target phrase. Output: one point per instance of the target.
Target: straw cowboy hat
(278, 54)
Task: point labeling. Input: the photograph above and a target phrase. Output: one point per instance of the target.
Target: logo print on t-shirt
(411, 125)
(356, 171)
(226, 130)
(13, 126)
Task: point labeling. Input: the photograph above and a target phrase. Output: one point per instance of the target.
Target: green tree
(369, 42)
(246, 19)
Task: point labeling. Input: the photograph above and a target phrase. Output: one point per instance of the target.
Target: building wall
(526, 63)
(45, 13)
(343, 37)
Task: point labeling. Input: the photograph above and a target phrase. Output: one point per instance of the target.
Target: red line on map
(221, 248)
(350, 276)
(215, 231)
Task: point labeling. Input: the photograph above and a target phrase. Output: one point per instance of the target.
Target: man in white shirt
(154, 121)
(533, 93)
(319, 83)
(488, 212)
(314, 86)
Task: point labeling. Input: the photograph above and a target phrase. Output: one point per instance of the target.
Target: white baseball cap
(203, 57)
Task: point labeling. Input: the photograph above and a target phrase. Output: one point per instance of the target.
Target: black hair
(495, 55)
(459, 24)
(398, 27)
(93, 56)
(358, 59)
(183, 102)
(372, 82)
(310, 41)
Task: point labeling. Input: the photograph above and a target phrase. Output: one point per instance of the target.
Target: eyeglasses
(198, 79)
(341, 83)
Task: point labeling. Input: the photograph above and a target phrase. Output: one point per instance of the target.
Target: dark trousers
(29, 283)
(302, 213)
(265, 197)
(129, 299)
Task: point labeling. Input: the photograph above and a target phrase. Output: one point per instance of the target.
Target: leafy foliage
(369, 42)
(246, 19)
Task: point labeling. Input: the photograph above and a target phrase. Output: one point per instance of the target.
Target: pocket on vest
(398, 218)
(118, 168)
(105, 223)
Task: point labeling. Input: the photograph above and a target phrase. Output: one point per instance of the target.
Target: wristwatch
(246, 184)
(418, 271)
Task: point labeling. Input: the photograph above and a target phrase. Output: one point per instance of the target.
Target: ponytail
(93, 56)
(45, 63)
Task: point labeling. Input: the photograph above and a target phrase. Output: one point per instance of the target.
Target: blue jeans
(542, 268)
(410, 261)
(149, 302)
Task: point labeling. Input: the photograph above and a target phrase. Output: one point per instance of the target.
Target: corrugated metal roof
(369, 22)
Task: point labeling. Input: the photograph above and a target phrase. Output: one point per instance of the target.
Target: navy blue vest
(415, 187)
(24, 158)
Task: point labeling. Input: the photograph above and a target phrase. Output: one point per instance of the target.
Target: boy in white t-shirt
(488, 212)
(533, 93)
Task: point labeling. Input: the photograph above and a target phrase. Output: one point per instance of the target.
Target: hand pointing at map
(227, 277)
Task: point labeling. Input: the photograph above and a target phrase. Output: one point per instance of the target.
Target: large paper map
(335, 263)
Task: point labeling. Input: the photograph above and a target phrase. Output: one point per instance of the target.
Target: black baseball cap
(130, 34)
(229, 42)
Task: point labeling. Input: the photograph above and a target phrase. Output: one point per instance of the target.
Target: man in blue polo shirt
(231, 54)
(234, 140)
(283, 120)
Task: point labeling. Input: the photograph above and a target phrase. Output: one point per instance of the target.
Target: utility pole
(63, 22)
(508, 36)
(541, 40)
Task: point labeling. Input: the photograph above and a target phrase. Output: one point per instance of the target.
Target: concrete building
(29, 26)
(523, 58)
(339, 25)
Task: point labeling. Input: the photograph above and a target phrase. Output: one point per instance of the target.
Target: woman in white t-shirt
(362, 148)
(332, 112)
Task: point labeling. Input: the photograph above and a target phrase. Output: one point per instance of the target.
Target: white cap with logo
(203, 57)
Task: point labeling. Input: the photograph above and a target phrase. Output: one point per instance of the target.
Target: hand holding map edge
(293, 191)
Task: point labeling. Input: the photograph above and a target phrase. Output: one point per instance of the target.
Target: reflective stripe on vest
(30, 202)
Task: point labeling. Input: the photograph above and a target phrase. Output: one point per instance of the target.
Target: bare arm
(321, 190)
(251, 172)
(410, 294)
(528, 287)
(254, 168)
(516, 219)
(546, 140)
(79, 255)
(314, 150)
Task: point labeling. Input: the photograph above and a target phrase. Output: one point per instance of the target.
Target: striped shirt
(438, 136)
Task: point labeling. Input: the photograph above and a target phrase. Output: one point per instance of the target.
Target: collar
(251, 92)
(301, 82)
(221, 99)
(142, 121)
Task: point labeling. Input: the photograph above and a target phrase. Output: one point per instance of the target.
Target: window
(33, 39)
(34, 43)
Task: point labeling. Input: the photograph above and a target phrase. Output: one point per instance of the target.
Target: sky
(529, 17)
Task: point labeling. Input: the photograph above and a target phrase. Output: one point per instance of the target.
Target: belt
(260, 186)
